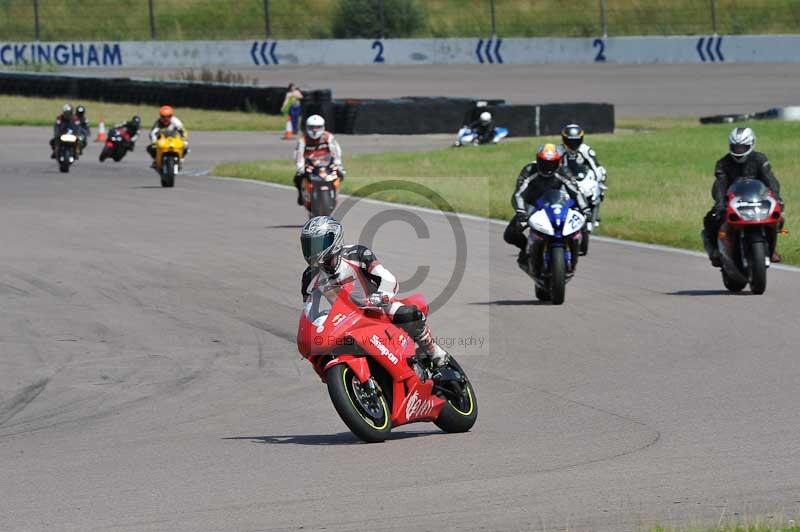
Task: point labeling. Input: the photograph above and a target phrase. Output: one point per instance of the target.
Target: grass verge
(660, 176)
(244, 19)
(24, 111)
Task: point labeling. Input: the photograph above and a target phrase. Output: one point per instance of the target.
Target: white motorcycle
(593, 188)
(468, 137)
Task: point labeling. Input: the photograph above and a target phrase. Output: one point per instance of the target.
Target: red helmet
(547, 160)
(165, 114)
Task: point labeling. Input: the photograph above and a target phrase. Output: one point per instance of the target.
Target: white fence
(512, 51)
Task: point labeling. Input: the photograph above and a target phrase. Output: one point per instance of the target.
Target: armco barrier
(199, 95)
(268, 54)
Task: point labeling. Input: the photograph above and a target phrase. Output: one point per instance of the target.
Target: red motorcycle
(747, 238)
(375, 375)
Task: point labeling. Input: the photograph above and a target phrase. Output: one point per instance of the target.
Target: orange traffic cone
(288, 132)
(102, 134)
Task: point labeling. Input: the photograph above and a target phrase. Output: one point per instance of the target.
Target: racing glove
(379, 299)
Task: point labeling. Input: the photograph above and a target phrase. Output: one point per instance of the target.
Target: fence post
(36, 18)
(383, 19)
(603, 23)
(714, 16)
(152, 20)
(266, 19)
(494, 24)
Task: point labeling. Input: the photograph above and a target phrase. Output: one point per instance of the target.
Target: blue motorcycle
(553, 244)
(468, 137)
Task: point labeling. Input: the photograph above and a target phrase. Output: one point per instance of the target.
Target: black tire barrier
(199, 95)
(415, 116)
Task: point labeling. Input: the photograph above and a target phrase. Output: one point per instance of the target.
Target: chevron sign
(486, 50)
(710, 45)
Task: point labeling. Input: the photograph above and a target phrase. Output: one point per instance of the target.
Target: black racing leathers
(726, 173)
(530, 187)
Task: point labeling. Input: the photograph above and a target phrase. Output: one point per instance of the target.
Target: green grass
(23, 111)
(244, 19)
(659, 178)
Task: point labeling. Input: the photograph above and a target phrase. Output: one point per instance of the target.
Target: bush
(362, 18)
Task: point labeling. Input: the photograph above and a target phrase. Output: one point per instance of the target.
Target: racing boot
(436, 354)
(522, 258)
(711, 249)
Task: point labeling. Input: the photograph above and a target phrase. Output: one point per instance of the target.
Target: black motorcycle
(68, 148)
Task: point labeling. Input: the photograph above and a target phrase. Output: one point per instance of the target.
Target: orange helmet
(166, 111)
(547, 160)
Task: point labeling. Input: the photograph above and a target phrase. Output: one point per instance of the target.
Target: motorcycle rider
(536, 178)
(578, 155)
(332, 264)
(483, 128)
(63, 121)
(315, 143)
(80, 113)
(131, 127)
(167, 121)
(741, 162)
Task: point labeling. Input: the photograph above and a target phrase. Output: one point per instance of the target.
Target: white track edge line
(605, 239)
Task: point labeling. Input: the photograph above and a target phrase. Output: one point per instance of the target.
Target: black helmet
(80, 111)
(66, 111)
(136, 120)
(572, 136)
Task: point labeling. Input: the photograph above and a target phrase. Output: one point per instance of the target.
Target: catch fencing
(134, 20)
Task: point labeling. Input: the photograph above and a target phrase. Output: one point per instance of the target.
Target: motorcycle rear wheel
(758, 267)
(458, 415)
(345, 391)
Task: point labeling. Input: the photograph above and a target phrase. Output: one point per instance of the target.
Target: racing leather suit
(576, 160)
(132, 131)
(484, 132)
(174, 125)
(726, 173)
(530, 187)
(308, 148)
(61, 125)
(358, 265)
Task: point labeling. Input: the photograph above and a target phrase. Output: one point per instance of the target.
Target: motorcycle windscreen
(554, 197)
(749, 190)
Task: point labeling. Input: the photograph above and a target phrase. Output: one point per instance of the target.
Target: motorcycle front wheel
(461, 409)
(365, 413)
(758, 267)
(168, 171)
(558, 275)
(584, 241)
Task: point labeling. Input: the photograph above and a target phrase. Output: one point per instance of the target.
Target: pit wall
(490, 50)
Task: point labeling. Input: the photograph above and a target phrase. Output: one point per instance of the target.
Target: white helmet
(486, 117)
(741, 142)
(315, 126)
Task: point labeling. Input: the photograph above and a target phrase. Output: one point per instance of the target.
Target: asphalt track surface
(149, 378)
(635, 90)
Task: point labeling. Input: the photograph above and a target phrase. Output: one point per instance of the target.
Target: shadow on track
(512, 302)
(342, 438)
(695, 293)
